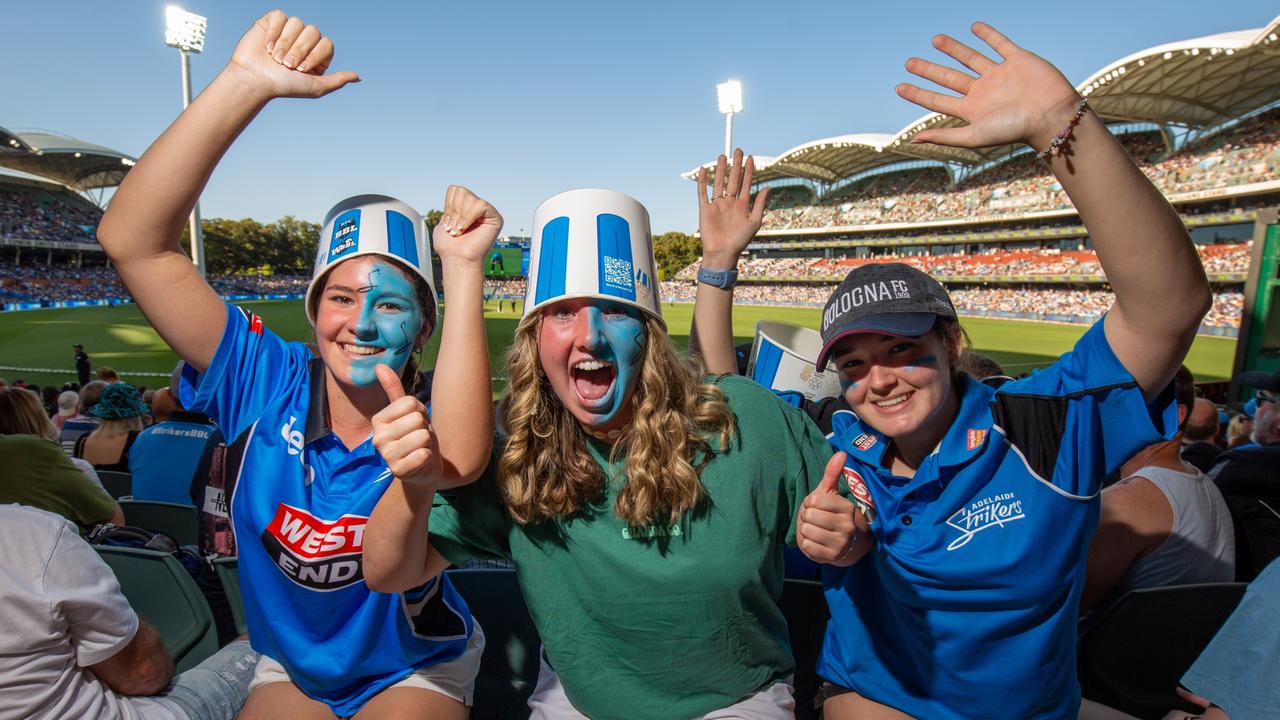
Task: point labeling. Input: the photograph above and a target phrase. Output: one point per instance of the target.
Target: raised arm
(1160, 286)
(727, 222)
(279, 56)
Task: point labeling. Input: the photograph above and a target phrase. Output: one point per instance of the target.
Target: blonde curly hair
(546, 472)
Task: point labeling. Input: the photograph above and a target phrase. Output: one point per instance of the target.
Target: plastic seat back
(228, 572)
(162, 592)
(117, 484)
(509, 667)
(180, 522)
(1134, 656)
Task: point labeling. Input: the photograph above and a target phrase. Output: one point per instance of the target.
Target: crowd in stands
(510, 287)
(36, 215)
(52, 283)
(1246, 153)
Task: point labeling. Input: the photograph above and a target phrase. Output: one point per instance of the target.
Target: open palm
(1022, 99)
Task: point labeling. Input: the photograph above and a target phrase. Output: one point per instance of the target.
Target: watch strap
(723, 279)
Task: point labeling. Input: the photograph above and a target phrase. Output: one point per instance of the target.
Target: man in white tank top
(1164, 523)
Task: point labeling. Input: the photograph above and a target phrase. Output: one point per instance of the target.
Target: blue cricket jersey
(299, 509)
(966, 605)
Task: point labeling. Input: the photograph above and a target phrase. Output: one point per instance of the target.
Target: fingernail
(271, 45)
(289, 63)
(303, 67)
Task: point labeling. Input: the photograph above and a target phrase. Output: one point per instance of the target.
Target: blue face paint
(390, 319)
(926, 361)
(620, 340)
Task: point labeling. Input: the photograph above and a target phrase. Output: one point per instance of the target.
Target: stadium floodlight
(729, 97)
(185, 31)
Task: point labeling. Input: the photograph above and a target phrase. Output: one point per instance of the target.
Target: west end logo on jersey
(314, 553)
(995, 511)
(860, 492)
(862, 294)
(346, 234)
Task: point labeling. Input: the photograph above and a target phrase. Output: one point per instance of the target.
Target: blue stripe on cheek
(846, 384)
(926, 361)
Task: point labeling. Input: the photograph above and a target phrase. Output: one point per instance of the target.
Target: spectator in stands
(49, 398)
(119, 412)
(170, 459)
(1239, 430)
(83, 366)
(330, 644)
(1200, 445)
(108, 375)
(35, 472)
(72, 647)
(1164, 523)
(1249, 477)
(1235, 677)
(68, 408)
(958, 597)
(82, 422)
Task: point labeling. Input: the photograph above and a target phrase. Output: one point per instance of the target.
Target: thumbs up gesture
(402, 435)
(829, 528)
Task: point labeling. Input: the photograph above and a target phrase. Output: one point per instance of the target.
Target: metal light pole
(185, 31)
(729, 97)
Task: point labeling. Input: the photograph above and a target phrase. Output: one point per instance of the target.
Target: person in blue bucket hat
(643, 503)
(120, 412)
(311, 474)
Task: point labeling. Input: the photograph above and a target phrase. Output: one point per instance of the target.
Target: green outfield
(121, 338)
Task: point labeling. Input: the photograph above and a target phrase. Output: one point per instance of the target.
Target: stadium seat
(1134, 656)
(805, 608)
(180, 522)
(509, 668)
(163, 593)
(117, 484)
(229, 575)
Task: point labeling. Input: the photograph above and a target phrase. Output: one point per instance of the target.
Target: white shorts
(455, 679)
(772, 702)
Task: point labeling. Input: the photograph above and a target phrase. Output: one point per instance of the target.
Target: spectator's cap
(591, 244)
(1223, 417)
(782, 359)
(1260, 380)
(119, 401)
(372, 225)
(1251, 407)
(67, 402)
(882, 298)
(78, 346)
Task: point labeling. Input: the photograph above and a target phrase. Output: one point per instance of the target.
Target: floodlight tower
(729, 97)
(185, 31)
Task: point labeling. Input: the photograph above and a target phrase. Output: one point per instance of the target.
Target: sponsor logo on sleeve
(316, 554)
(864, 441)
(995, 511)
(975, 438)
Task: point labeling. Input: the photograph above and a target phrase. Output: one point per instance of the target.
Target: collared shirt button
(906, 519)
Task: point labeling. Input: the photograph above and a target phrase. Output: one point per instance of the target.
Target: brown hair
(22, 414)
(546, 472)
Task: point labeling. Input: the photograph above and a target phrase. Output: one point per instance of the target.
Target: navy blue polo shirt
(966, 605)
(299, 508)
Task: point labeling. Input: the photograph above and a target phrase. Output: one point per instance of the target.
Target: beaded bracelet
(1055, 147)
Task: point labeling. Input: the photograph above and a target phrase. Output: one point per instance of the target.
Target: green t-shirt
(34, 471)
(663, 621)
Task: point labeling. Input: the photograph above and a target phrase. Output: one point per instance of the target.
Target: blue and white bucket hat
(373, 225)
(782, 358)
(591, 244)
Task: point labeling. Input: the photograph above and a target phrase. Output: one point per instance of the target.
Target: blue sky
(521, 100)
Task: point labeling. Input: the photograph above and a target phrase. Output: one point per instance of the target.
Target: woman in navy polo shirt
(954, 572)
(310, 474)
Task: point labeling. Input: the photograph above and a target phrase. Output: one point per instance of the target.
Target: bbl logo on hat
(591, 244)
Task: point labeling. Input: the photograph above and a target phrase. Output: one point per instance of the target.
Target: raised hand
(467, 228)
(284, 57)
(402, 435)
(1022, 99)
(727, 220)
(827, 527)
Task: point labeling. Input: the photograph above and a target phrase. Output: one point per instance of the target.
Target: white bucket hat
(591, 244)
(373, 225)
(782, 358)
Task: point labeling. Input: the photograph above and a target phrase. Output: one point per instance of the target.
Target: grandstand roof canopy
(1199, 83)
(75, 163)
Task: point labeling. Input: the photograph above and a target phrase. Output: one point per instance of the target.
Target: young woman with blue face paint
(981, 502)
(312, 472)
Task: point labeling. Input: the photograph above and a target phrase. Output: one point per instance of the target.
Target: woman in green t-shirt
(644, 505)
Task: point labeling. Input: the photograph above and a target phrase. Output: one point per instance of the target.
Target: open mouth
(592, 380)
(362, 350)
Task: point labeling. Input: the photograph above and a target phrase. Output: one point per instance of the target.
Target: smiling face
(901, 386)
(368, 315)
(591, 351)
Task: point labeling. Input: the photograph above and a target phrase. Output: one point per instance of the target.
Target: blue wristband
(723, 279)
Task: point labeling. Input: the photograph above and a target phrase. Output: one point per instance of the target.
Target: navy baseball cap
(882, 298)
